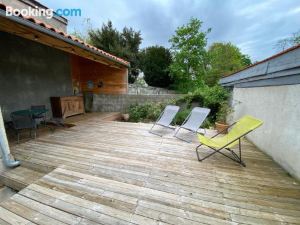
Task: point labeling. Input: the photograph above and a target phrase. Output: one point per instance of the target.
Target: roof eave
(46, 31)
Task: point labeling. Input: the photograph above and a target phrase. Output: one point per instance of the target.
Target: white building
(270, 90)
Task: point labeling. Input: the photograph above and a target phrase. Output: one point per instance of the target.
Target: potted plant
(224, 110)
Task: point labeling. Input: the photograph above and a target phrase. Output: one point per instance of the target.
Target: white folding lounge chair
(193, 121)
(166, 118)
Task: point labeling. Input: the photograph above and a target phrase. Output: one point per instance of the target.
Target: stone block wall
(133, 89)
(121, 103)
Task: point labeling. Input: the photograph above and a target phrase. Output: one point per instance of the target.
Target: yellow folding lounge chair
(239, 129)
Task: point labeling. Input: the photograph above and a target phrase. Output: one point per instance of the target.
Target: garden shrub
(181, 116)
(137, 113)
(209, 97)
(146, 112)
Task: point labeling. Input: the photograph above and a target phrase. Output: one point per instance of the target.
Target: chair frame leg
(236, 158)
(188, 141)
(150, 131)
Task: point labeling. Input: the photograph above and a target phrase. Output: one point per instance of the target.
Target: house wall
(57, 22)
(90, 76)
(279, 108)
(30, 73)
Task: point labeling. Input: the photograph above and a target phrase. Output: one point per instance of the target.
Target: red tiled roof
(47, 26)
(265, 60)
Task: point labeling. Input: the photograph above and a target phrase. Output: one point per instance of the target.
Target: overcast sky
(254, 26)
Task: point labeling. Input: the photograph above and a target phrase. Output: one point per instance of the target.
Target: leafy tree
(123, 44)
(224, 58)
(189, 55)
(155, 62)
(246, 61)
(288, 42)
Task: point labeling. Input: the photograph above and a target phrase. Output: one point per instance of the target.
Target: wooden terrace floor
(101, 172)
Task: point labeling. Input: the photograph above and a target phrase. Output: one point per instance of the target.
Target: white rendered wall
(279, 108)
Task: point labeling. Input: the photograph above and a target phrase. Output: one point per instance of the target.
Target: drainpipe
(5, 151)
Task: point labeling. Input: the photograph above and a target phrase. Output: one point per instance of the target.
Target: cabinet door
(78, 105)
(67, 108)
(72, 106)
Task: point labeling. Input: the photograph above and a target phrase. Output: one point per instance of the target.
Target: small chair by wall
(23, 120)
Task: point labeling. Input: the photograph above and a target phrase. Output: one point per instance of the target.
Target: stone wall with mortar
(121, 103)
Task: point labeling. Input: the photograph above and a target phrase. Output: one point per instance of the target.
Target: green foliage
(209, 97)
(123, 44)
(189, 56)
(140, 82)
(223, 111)
(155, 62)
(146, 112)
(246, 61)
(224, 58)
(137, 113)
(181, 116)
(213, 98)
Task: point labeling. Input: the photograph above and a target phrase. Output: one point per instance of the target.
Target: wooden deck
(102, 172)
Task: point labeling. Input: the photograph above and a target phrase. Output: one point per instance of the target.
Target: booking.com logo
(37, 12)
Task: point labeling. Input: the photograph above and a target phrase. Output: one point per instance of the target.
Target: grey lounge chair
(166, 118)
(193, 121)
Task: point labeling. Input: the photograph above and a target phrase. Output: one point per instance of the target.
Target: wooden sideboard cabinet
(63, 107)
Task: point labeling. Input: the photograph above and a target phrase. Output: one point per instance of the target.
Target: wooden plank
(103, 170)
(29, 214)
(122, 216)
(20, 177)
(149, 193)
(47, 210)
(11, 218)
(219, 185)
(75, 209)
(113, 81)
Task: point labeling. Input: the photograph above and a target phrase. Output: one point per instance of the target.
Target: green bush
(209, 97)
(146, 112)
(181, 116)
(137, 113)
(223, 111)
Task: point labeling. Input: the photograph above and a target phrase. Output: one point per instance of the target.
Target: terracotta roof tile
(49, 27)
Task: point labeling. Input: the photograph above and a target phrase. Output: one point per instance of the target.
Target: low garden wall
(121, 103)
(134, 89)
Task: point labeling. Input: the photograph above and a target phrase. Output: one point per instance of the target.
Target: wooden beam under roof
(10, 26)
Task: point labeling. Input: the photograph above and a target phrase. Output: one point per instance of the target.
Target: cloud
(294, 11)
(253, 25)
